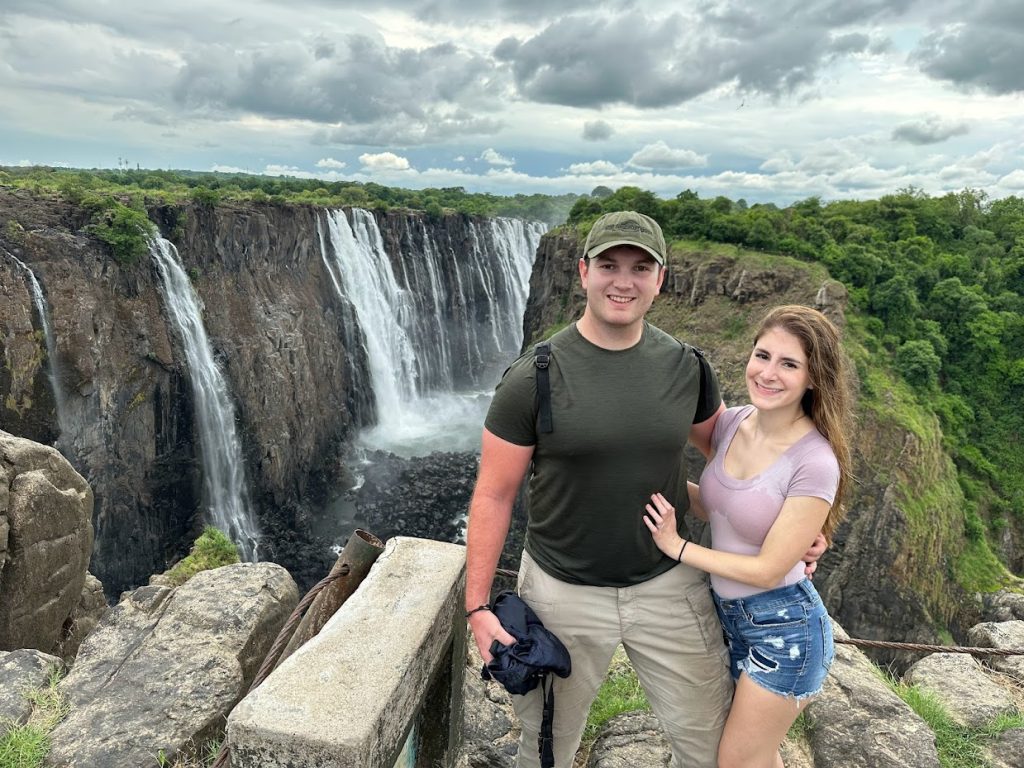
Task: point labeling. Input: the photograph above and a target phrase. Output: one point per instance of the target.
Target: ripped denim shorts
(781, 638)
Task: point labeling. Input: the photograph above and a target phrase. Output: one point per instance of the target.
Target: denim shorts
(781, 638)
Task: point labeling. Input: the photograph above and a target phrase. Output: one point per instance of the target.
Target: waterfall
(225, 489)
(51, 343)
(439, 320)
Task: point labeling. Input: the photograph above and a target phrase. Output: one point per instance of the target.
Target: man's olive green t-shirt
(621, 419)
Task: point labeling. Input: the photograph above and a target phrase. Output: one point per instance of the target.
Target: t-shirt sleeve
(712, 397)
(817, 474)
(722, 427)
(511, 415)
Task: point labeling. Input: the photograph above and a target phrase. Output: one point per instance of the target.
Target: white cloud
(493, 157)
(282, 170)
(598, 167)
(660, 156)
(384, 161)
(1013, 180)
(330, 162)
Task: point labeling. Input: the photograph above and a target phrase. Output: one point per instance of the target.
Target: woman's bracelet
(682, 549)
(484, 607)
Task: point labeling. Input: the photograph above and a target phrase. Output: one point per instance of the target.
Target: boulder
(959, 682)
(629, 740)
(1005, 635)
(164, 667)
(1002, 606)
(858, 722)
(1007, 750)
(22, 672)
(46, 539)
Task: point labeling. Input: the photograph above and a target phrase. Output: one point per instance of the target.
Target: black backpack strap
(705, 373)
(546, 738)
(704, 401)
(542, 360)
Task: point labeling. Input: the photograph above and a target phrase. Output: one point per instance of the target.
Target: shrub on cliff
(211, 550)
(126, 231)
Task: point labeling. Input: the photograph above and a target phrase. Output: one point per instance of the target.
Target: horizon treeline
(213, 187)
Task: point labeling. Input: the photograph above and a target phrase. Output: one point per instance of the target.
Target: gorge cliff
(283, 333)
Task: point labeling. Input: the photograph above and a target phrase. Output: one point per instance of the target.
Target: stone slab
(345, 698)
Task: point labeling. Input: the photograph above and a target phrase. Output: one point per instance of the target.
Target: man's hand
(810, 559)
(486, 628)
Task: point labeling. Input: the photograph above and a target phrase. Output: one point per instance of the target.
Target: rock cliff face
(276, 327)
(290, 349)
(887, 577)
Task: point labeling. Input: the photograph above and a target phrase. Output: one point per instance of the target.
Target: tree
(895, 301)
(918, 364)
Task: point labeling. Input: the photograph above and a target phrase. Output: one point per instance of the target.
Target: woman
(777, 477)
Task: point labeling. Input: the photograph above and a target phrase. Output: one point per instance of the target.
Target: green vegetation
(84, 186)
(958, 746)
(125, 230)
(25, 746)
(211, 550)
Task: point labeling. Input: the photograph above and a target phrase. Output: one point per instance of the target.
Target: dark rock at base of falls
(426, 496)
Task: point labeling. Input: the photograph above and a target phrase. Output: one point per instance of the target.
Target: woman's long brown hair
(829, 402)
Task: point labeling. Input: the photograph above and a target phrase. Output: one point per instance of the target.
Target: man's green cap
(626, 228)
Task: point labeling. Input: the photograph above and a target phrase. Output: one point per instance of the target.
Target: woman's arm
(787, 541)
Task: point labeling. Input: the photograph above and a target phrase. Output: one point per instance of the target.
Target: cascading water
(438, 327)
(225, 488)
(51, 344)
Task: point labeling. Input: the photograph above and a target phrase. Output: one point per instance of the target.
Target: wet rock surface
(426, 496)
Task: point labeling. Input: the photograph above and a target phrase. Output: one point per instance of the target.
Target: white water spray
(439, 326)
(52, 371)
(225, 488)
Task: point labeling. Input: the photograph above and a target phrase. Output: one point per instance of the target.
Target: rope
(279, 645)
(917, 647)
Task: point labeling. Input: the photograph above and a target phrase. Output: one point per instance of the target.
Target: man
(624, 399)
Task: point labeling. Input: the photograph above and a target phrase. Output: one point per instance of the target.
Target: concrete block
(348, 698)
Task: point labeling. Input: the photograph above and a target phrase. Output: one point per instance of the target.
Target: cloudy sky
(765, 101)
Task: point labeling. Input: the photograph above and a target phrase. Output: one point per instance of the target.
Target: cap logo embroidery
(631, 226)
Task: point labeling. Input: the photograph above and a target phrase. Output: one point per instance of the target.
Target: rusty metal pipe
(361, 551)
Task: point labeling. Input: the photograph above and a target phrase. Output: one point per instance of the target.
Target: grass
(25, 746)
(201, 759)
(620, 692)
(958, 746)
(211, 550)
